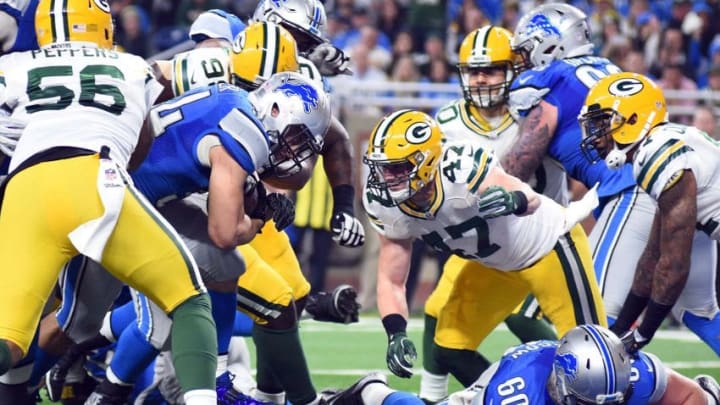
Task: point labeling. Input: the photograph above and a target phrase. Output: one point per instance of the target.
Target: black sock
(283, 353)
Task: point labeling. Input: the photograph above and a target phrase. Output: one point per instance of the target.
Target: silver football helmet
(551, 32)
(295, 112)
(305, 19)
(590, 366)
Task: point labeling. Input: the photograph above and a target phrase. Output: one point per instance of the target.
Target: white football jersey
(77, 95)
(459, 124)
(672, 148)
(452, 223)
(200, 67)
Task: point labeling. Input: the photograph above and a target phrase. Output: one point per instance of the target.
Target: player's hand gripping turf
(401, 354)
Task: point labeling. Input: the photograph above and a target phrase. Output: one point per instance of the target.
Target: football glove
(709, 385)
(633, 341)
(347, 230)
(340, 306)
(495, 201)
(281, 210)
(400, 355)
(330, 60)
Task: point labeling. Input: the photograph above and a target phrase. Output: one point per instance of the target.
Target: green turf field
(339, 354)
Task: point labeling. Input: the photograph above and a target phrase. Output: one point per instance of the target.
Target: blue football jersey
(23, 11)
(564, 84)
(186, 128)
(523, 372)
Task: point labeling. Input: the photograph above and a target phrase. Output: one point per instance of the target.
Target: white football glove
(347, 230)
(10, 131)
(579, 210)
(329, 60)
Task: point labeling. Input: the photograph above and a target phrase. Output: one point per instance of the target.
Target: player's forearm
(535, 133)
(391, 297)
(338, 155)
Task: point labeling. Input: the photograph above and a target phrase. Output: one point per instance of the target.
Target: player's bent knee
(286, 319)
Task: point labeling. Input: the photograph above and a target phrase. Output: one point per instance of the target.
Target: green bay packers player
(487, 67)
(624, 119)
(68, 193)
(419, 188)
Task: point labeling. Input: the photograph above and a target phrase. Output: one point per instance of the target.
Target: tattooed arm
(677, 207)
(642, 283)
(535, 133)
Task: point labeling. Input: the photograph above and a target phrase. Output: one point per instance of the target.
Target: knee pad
(286, 319)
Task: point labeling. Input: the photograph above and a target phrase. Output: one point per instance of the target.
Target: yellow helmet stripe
(378, 142)
(59, 23)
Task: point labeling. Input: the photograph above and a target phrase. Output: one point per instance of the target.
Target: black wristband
(343, 198)
(631, 309)
(522, 202)
(655, 314)
(394, 323)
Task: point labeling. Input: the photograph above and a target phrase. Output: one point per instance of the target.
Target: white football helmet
(590, 366)
(551, 32)
(305, 19)
(295, 112)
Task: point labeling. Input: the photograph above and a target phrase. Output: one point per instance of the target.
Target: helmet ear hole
(633, 119)
(275, 110)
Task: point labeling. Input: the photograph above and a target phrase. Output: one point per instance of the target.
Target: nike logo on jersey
(192, 79)
(523, 80)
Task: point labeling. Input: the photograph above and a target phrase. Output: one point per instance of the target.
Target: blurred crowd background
(403, 54)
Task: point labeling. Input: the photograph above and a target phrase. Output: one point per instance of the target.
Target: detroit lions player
(553, 39)
(444, 194)
(625, 119)
(588, 365)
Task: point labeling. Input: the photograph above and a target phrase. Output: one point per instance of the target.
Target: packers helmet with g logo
(486, 49)
(619, 112)
(74, 20)
(260, 51)
(403, 156)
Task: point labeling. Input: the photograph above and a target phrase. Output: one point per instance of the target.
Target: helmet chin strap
(618, 156)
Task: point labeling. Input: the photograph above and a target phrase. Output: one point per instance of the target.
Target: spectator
(131, 37)
(705, 120)
(426, 17)
(391, 18)
(634, 61)
(403, 46)
(434, 49)
(378, 44)
(405, 71)
(439, 73)
(188, 10)
(672, 78)
(649, 35)
(672, 52)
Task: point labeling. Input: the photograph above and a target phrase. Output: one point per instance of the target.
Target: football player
(81, 131)
(447, 195)
(553, 39)
(487, 67)
(17, 26)
(588, 365)
(624, 119)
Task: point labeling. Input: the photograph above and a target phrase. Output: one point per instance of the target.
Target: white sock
(200, 397)
(278, 398)
(222, 362)
(433, 386)
(114, 378)
(375, 393)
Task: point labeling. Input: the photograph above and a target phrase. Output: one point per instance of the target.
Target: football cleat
(108, 393)
(340, 306)
(55, 378)
(228, 395)
(77, 393)
(709, 385)
(353, 394)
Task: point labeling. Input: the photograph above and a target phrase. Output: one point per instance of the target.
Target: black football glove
(633, 341)
(340, 306)
(281, 209)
